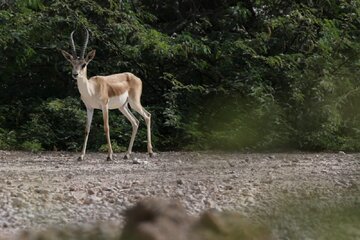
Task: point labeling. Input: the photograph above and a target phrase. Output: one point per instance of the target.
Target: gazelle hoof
(81, 158)
(152, 154)
(109, 158)
(127, 156)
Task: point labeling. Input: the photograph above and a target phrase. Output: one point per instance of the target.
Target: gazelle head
(79, 64)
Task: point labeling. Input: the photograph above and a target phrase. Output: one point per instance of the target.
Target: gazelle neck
(83, 84)
(83, 75)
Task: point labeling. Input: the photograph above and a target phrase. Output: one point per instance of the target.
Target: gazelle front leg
(105, 110)
(89, 113)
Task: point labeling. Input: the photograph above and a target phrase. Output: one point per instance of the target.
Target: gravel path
(51, 188)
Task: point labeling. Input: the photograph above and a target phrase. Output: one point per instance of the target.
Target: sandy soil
(52, 188)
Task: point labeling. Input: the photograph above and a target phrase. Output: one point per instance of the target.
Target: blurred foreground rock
(157, 219)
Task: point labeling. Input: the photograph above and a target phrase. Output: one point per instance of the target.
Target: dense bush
(56, 124)
(217, 74)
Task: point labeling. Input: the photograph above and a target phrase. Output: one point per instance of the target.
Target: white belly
(118, 101)
(114, 102)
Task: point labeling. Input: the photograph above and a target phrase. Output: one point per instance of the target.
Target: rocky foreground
(279, 191)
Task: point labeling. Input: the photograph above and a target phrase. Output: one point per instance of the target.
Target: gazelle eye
(82, 66)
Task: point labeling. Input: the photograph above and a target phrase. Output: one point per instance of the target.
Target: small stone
(106, 189)
(136, 161)
(8, 182)
(210, 203)
(22, 195)
(135, 182)
(338, 183)
(90, 192)
(69, 198)
(13, 194)
(267, 180)
(88, 201)
(16, 202)
(180, 182)
(246, 192)
(235, 176)
(250, 201)
(100, 193)
(230, 163)
(58, 197)
(71, 189)
(41, 191)
(179, 193)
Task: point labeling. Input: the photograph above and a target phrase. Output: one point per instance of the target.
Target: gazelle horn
(85, 44)
(73, 44)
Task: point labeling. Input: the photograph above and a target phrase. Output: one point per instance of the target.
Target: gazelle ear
(67, 56)
(90, 56)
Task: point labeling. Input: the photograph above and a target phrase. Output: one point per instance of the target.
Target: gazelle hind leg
(134, 123)
(147, 117)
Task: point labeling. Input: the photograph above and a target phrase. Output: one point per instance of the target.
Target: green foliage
(228, 74)
(56, 124)
(115, 147)
(32, 146)
(7, 139)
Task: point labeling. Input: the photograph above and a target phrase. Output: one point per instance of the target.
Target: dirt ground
(38, 190)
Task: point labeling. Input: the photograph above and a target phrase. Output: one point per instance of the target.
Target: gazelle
(114, 91)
